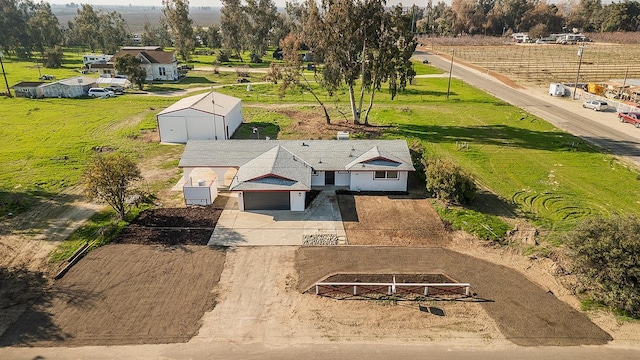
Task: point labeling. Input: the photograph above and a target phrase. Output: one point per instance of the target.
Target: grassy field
(550, 177)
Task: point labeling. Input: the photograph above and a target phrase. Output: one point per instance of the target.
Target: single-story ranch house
(277, 174)
(208, 116)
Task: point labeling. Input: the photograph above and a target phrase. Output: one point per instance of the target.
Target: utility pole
(453, 51)
(5, 76)
(575, 86)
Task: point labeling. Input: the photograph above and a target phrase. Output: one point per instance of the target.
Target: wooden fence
(345, 290)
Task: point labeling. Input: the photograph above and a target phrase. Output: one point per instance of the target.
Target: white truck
(557, 89)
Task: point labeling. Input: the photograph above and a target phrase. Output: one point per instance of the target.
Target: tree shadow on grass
(262, 130)
(498, 135)
(491, 204)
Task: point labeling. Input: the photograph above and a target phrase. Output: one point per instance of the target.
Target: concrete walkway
(278, 227)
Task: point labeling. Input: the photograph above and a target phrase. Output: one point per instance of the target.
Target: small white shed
(209, 116)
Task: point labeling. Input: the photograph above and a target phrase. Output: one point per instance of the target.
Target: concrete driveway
(279, 227)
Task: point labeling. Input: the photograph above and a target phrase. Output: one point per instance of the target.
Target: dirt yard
(124, 294)
(134, 294)
(523, 311)
(391, 220)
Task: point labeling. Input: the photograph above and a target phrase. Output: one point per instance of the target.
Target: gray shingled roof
(322, 155)
(374, 159)
(211, 102)
(275, 169)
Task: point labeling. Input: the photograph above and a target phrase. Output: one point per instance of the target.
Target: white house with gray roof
(277, 174)
(208, 116)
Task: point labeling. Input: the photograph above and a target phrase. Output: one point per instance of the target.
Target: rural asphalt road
(621, 141)
(230, 351)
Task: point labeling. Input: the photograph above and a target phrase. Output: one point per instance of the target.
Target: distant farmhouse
(160, 65)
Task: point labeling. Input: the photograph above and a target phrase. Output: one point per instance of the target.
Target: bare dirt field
(396, 220)
(524, 312)
(123, 294)
(541, 63)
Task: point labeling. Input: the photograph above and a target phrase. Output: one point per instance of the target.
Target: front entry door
(329, 178)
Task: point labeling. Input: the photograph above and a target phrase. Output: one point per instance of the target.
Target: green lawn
(549, 176)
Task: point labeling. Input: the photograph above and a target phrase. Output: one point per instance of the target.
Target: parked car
(101, 93)
(242, 80)
(117, 89)
(596, 105)
(630, 117)
(185, 67)
(47, 77)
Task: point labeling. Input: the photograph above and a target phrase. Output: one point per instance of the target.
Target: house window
(385, 175)
(162, 71)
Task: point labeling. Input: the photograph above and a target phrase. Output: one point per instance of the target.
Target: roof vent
(320, 161)
(304, 144)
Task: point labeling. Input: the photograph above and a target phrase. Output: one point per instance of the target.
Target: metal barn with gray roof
(277, 174)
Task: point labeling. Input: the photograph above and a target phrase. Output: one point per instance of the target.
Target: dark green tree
(448, 183)
(542, 14)
(52, 58)
(606, 257)
(586, 16)
(113, 31)
(14, 18)
(389, 45)
(622, 16)
(176, 13)
(130, 66)
(261, 15)
(44, 28)
(233, 22)
(156, 35)
(86, 28)
(213, 37)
